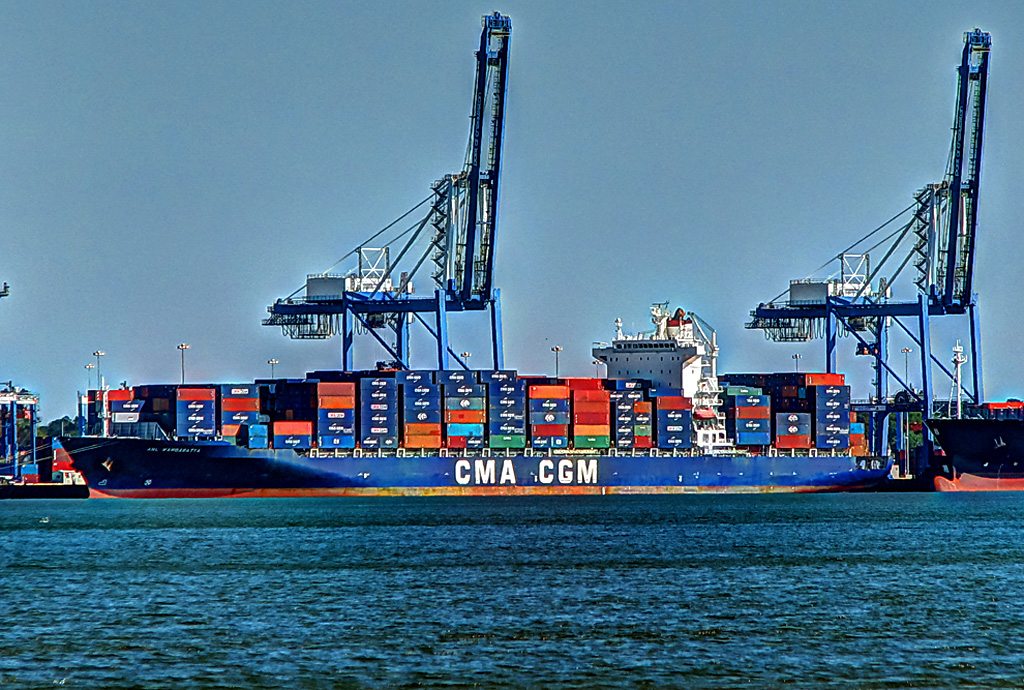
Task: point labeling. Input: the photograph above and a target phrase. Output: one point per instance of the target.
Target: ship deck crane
(456, 238)
(941, 233)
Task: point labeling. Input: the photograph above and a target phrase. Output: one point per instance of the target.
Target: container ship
(984, 451)
(661, 421)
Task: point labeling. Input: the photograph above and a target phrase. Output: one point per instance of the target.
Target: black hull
(981, 454)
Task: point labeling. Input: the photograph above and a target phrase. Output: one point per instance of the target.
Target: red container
(752, 412)
(550, 430)
(549, 392)
(194, 394)
(346, 389)
(465, 416)
(643, 442)
(240, 404)
(674, 402)
(825, 379)
(591, 407)
(30, 478)
(293, 428)
(591, 396)
(585, 384)
(791, 391)
(788, 441)
(644, 406)
(456, 442)
(591, 417)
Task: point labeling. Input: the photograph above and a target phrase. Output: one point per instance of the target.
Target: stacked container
(748, 418)
(643, 427)
(196, 412)
(831, 405)
(336, 416)
(793, 430)
(623, 404)
(549, 415)
(297, 435)
(674, 421)
(506, 409)
(378, 412)
(465, 410)
(858, 438)
(421, 410)
(239, 406)
(591, 414)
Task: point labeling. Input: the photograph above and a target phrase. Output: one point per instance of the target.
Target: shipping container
(455, 376)
(507, 441)
(548, 405)
(582, 441)
(465, 404)
(549, 392)
(549, 418)
(465, 416)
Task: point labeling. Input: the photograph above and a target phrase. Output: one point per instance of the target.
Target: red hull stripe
(971, 482)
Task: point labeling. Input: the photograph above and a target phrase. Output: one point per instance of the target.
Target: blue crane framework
(460, 225)
(942, 231)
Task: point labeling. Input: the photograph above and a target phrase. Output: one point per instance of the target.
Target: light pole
(556, 349)
(906, 366)
(99, 379)
(89, 367)
(796, 359)
(272, 362)
(183, 347)
(465, 357)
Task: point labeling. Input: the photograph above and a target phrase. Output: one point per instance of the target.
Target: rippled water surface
(831, 591)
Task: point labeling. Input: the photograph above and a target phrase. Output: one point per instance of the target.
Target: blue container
(548, 405)
(624, 432)
(839, 441)
(674, 417)
(336, 429)
(663, 391)
(374, 406)
(625, 442)
(625, 418)
(422, 417)
(643, 418)
(378, 383)
(748, 425)
(458, 429)
(750, 401)
(293, 441)
(753, 439)
(336, 415)
(507, 402)
(465, 390)
(832, 430)
(509, 428)
(378, 395)
(623, 406)
(628, 384)
(550, 442)
(249, 417)
(841, 393)
(421, 390)
(549, 417)
(675, 441)
(792, 424)
(239, 390)
(258, 431)
(497, 376)
(832, 416)
(465, 403)
(413, 377)
(379, 419)
(455, 376)
(674, 430)
(516, 387)
(422, 404)
(507, 414)
(857, 428)
(337, 441)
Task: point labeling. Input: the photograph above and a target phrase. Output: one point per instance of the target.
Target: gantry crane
(941, 234)
(457, 235)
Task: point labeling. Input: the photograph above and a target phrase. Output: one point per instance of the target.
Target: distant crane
(941, 233)
(460, 225)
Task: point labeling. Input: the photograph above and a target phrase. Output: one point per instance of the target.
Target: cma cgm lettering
(486, 471)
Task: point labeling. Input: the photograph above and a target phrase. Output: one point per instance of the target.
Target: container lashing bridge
(455, 239)
(940, 234)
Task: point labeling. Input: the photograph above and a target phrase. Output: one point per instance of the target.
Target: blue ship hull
(137, 468)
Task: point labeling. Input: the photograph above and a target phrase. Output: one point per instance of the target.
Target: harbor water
(809, 591)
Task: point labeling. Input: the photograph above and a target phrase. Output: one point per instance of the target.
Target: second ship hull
(137, 468)
(981, 454)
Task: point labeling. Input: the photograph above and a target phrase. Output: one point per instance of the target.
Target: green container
(507, 442)
(742, 390)
(642, 430)
(591, 441)
(465, 403)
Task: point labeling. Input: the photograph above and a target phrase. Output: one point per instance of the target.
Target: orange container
(549, 392)
(293, 428)
(418, 441)
(591, 396)
(240, 404)
(752, 412)
(825, 379)
(188, 394)
(643, 406)
(346, 389)
(337, 402)
(465, 416)
(423, 430)
(229, 429)
(584, 384)
(592, 430)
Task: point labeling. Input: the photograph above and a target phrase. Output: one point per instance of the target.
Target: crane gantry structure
(941, 234)
(456, 236)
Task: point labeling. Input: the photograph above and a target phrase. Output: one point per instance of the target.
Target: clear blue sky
(168, 169)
